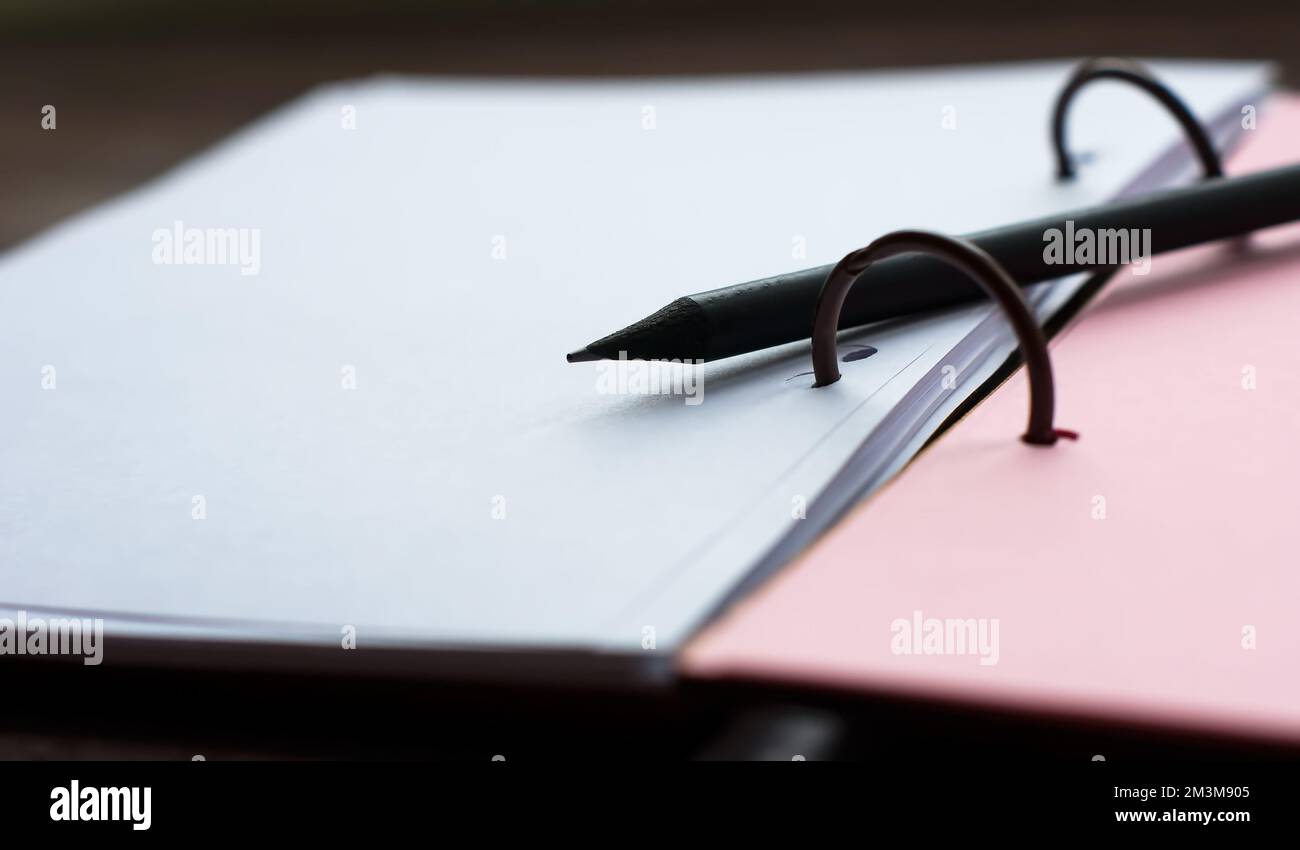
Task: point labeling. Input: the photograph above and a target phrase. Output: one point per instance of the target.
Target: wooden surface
(131, 105)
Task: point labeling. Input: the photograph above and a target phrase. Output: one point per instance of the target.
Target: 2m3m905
(1215, 791)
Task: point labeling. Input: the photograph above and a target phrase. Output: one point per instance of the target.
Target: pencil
(777, 310)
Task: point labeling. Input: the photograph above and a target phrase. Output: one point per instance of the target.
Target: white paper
(446, 252)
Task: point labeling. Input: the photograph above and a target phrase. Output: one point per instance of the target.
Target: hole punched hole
(980, 266)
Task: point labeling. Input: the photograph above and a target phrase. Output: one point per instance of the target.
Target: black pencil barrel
(777, 310)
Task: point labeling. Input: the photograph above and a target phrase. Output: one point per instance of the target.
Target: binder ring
(975, 262)
(1130, 72)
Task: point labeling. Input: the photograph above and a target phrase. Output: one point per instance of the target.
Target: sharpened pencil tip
(582, 355)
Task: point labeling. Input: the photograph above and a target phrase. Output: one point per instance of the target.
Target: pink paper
(1149, 572)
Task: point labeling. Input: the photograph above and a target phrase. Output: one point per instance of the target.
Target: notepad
(1143, 575)
(313, 381)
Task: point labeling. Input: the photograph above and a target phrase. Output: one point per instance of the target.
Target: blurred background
(141, 84)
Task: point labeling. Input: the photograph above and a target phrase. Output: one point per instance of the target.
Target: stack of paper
(314, 379)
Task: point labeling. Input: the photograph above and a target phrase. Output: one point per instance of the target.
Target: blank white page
(380, 424)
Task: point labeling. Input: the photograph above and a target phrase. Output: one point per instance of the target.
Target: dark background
(140, 85)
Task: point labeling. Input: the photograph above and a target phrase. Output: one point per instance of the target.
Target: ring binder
(981, 266)
(1133, 72)
(975, 262)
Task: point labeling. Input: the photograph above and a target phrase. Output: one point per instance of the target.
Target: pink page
(1149, 572)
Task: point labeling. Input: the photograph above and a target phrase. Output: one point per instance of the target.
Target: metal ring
(975, 262)
(1131, 72)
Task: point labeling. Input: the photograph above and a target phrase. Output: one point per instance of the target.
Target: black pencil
(776, 310)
